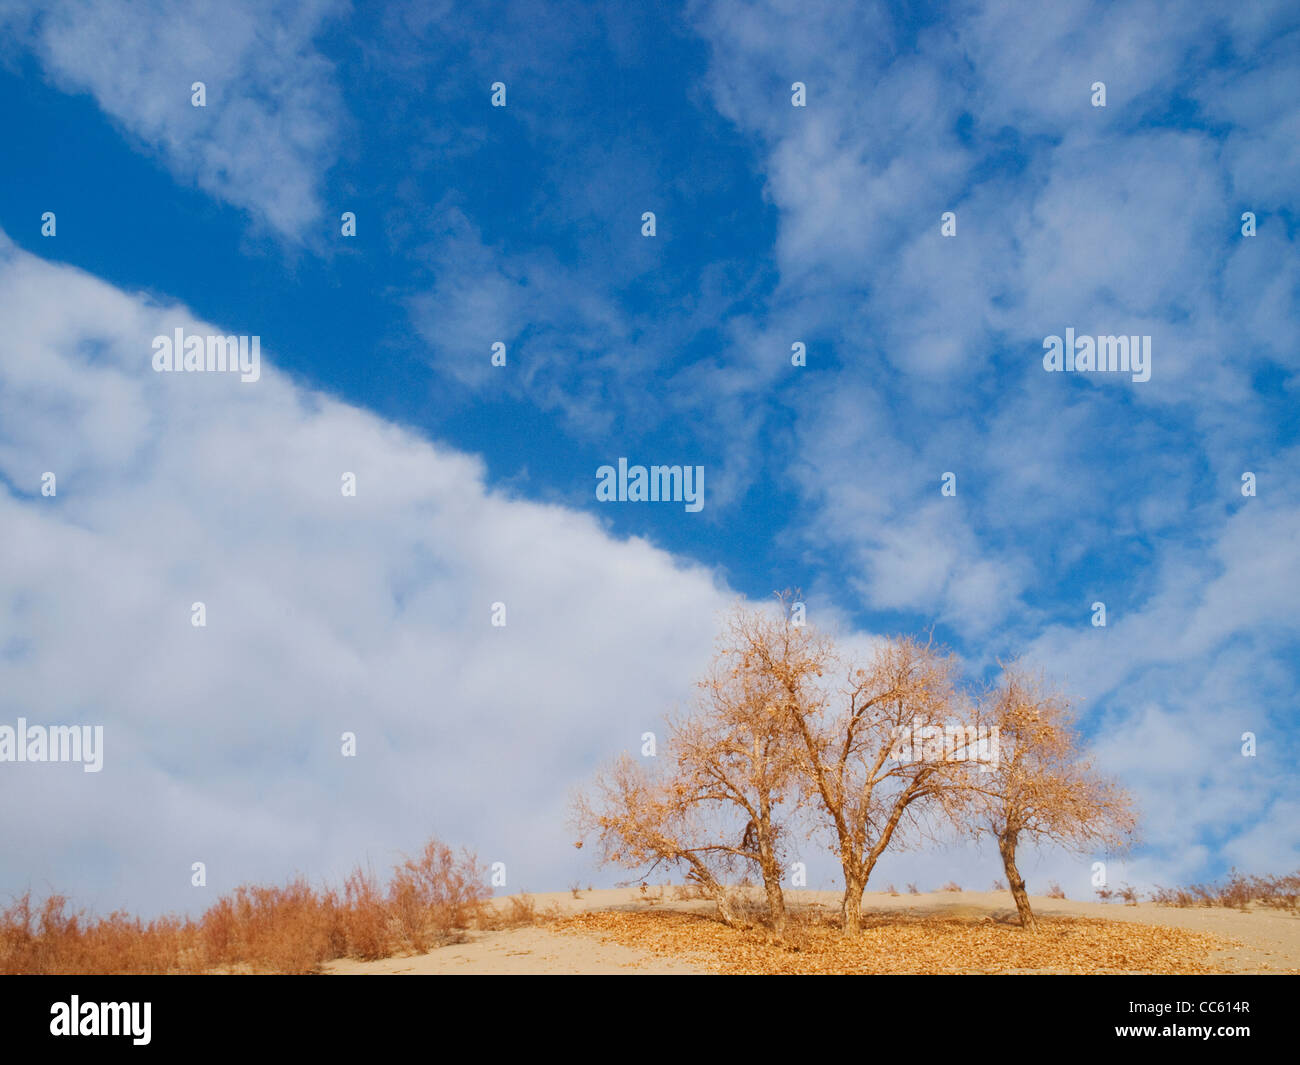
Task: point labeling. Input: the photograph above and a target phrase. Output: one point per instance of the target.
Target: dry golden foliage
(904, 943)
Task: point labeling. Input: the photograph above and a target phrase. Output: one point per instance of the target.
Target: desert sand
(1270, 940)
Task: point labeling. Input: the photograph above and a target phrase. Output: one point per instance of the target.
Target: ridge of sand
(1270, 939)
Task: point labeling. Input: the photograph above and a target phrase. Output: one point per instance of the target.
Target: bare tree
(732, 766)
(1044, 788)
(848, 742)
(644, 821)
(879, 759)
(868, 761)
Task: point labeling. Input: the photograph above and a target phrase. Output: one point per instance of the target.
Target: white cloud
(325, 614)
(273, 116)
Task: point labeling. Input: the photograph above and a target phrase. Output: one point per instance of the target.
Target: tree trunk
(1007, 847)
(771, 870)
(852, 906)
(775, 903)
(725, 911)
(700, 873)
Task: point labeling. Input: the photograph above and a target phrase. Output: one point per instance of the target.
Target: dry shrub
(49, 938)
(952, 885)
(289, 929)
(518, 911)
(277, 929)
(1054, 890)
(1174, 897)
(435, 897)
(521, 911)
(364, 918)
(1239, 891)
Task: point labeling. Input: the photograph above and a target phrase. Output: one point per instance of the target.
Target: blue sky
(775, 224)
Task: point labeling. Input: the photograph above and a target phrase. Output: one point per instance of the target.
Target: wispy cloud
(273, 117)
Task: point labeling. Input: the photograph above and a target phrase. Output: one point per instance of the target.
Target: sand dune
(1269, 940)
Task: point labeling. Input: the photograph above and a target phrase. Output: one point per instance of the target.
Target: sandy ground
(1270, 940)
(522, 951)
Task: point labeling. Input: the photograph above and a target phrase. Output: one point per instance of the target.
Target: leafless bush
(1237, 891)
(516, 911)
(288, 929)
